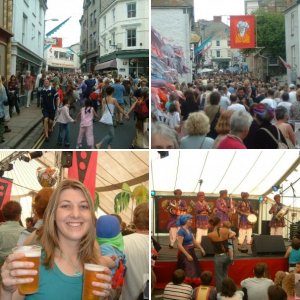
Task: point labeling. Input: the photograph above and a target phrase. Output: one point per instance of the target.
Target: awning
(111, 64)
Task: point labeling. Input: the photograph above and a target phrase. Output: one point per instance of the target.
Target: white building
(251, 6)
(28, 41)
(64, 59)
(124, 41)
(292, 38)
(173, 20)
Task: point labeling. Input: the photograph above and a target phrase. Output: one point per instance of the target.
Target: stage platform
(242, 267)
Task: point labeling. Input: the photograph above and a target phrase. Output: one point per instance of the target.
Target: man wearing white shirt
(292, 93)
(270, 99)
(235, 105)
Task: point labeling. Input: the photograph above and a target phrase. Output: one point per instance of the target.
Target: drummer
(202, 210)
(279, 211)
(245, 210)
(176, 207)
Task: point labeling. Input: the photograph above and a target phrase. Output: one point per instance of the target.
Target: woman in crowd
(68, 242)
(163, 137)
(293, 253)
(229, 291)
(223, 127)
(13, 93)
(187, 259)
(197, 126)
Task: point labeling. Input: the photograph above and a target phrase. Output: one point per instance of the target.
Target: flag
(288, 66)
(84, 166)
(202, 46)
(5, 190)
(242, 32)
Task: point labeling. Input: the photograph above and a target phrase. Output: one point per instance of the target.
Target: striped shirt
(178, 291)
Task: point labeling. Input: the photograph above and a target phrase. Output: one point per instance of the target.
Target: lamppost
(44, 50)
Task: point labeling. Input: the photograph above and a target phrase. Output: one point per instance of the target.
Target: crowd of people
(66, 98)
(216, 222)
(224, 112)
(65, 226)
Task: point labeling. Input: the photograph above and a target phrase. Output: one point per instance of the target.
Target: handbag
(113, 116)
(281, 145)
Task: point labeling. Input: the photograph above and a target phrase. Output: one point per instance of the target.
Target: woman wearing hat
(202, 210)
(244, 209)
(175, 208)
(186, 258)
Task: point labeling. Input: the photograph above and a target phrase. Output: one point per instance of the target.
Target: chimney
(217, 19)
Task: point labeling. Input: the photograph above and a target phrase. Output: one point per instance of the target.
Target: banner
(84, 167)
(5, 190)
(288, 66)
(242, 32)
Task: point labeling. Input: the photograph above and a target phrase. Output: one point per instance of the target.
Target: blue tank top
(56, 285)
(187, 237)
(294, 256)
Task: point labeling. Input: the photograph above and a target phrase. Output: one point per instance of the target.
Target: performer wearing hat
(186, 258)
(202, 210)
(277, 222)
(176, 208)
(222, 207)
(244, 209)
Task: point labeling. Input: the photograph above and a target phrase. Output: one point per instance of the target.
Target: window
(91, 41)
(39, 39)
(131, 37)
(104, 22)
(104, 44)
(293, 54)
(113, 38)
(217, 43)
(218, 53)
(56, 54)
(91, 19)
(32, 31)
(94, 40)
(24, 28)
(131, 10)
(292, 24)
(113, 15)
(93, 2)
(95, 19)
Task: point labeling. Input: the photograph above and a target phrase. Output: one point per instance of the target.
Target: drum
(252, 218)
(282, 212)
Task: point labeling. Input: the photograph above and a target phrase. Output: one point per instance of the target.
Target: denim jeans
(63, 134)
(221, 263)
(109, 136)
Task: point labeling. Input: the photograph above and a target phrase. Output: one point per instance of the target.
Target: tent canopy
(113, 169)
(252, 171)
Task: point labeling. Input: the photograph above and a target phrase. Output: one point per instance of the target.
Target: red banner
(5, 190)
(84, 167)
(242, 32)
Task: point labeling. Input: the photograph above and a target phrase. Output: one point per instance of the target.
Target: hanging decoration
(47, 177)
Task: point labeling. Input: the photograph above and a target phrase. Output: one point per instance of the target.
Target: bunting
(5, 190)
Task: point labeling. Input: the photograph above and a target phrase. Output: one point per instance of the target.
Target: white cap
(291, 86)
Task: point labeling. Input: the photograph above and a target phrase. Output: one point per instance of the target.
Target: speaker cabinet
(268, 245)
(207, 246)
(66, 159)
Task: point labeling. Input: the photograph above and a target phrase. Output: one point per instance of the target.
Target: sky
(217, 8)
(61, 10)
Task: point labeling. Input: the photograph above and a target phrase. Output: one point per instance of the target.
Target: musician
(176, 207)
(202, 210)
(222, 207)
(277, 222)
(244, 209)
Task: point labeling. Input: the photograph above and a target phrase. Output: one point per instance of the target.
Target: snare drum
(252, 218)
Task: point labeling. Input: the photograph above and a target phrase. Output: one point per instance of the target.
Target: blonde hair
(197, 124)
(288, 284)
(87, 250)
(223, 124)
(279, 276)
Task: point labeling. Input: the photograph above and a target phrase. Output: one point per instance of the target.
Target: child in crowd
(86, 116)
(111, 243)
(174, 117)
(205, 290)
(227, 224)
(64, 119)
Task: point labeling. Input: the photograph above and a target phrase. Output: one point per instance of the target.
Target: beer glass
(90, 271)
(32, 254)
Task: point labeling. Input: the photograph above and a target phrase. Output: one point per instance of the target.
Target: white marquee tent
(113, 169)
(257, 172)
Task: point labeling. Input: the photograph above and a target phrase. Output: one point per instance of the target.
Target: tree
(270, 33)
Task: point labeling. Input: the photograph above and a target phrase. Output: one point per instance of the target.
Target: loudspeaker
(268, 245)
(207, 246)
(66, 159)
(265, 228)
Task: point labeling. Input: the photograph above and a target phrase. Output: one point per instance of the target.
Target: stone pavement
(22, 125)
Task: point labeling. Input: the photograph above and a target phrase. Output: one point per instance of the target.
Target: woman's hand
(105, 285)
(189, 257)
(12, 269)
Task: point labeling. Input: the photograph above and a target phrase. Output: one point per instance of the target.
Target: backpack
(141, 110)
(203, 292)
(212, 132)
(118, 278)
(280, 143)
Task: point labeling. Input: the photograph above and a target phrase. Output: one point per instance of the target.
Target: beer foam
(94, 268)
(29, 251)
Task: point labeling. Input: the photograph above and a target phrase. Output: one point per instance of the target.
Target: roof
(252, 171)
(172, 3)
(113, 169)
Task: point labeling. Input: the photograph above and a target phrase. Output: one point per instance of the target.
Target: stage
(242, 267)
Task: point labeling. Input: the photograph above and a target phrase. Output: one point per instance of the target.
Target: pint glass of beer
(90, 271)
(32, 254)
